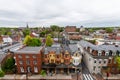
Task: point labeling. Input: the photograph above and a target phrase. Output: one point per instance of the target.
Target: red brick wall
(70, 29)
(24, 59)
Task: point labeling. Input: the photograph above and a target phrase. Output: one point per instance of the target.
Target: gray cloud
(60, 12)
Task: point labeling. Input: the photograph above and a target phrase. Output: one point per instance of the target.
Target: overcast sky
(90, 13)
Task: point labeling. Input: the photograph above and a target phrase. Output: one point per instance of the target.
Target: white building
(97, 56)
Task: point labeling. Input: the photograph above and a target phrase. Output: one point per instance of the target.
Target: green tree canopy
(109, 30)
(49, 41)
(54, 27)
(117, 58)
(2, 73)
(29, 41)
(9, 65)
(42, 34)
(26, 32)
(43, 73)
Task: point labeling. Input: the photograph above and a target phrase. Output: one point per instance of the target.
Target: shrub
(2, 73)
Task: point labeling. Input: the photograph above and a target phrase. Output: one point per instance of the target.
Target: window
(35, 62)
(34, 56)
(35, 69)
(103, 53)
(94, 61)
(27, 56)
(118, 53)
(109, 61)
(104, 62)
(57, 56)
(19, 56)
(52, 60)
(21, 69)
(94, 67)
(99, 62)
(28, 69)
(110, 53)
(21, 62)
(28, 62)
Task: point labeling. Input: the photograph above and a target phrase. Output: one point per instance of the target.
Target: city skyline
(89, 13)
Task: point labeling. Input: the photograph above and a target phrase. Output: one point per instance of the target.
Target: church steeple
(27, 26)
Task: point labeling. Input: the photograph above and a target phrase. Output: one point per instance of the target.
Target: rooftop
(29, 50)
(73, 47)
(55, 47)
(99, 47)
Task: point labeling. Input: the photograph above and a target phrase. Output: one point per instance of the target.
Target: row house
(76, 57)
(28, 59)
(59, 59)
(98, 56)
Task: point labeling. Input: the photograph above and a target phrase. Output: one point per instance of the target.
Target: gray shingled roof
(56, 49)
(29, 50)
(73, 47)
(99, 47)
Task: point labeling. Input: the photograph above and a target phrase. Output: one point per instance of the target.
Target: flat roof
(29, 50)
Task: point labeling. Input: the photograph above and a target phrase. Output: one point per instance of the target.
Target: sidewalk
(13, 77)
(112, 77)
(57, 76)
(34, 77)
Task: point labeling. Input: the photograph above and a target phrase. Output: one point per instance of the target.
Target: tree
(49, 41)
(35, 42)
(42, 34)
(9, 65)
(9, 33)
(117, 58)
(2, 73)
(26, 32)
(43, 73)
(54, 27)
(109, 30)
(29, 41)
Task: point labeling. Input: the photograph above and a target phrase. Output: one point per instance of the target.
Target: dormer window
(103, 53)
(110, 53)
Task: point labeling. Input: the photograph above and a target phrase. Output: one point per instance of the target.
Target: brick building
(71, 33)
(28, 59)
(70, 29)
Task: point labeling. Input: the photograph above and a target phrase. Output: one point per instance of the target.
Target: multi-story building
(3, 58)
(61, 59)
(98, 56)
(71, 33)
(70, 29)
(76, 56)
(28, 59)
